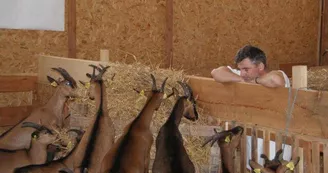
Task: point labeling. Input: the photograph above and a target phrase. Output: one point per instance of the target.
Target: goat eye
(68, 83)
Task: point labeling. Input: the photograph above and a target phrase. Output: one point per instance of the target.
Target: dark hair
(255, 54)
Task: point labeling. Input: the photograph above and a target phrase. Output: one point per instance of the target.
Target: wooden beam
(324, 34)
(71, 28)
(10, 116)
(299, 76)
(18, 83)
(73, 66)
(255, 104)
(169, 33)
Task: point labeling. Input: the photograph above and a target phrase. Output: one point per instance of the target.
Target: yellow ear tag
(227, 139)
(257, 170)
(34, 137)
(54, 84)
(142, 92)
(87, 85)
(291, 166)
(69, 145)
(164, 96)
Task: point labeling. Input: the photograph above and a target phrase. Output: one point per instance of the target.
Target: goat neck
(56, 105)
(145, 116)
(177, 112)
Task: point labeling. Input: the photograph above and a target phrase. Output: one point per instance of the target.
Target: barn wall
(206, 33)
(209, 33)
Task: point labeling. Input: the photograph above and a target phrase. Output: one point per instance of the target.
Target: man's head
(251, 61)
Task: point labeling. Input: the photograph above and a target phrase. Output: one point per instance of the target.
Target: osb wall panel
(18, 48)
(131, 30)
(208, 33)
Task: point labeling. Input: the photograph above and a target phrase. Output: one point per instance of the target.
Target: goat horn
(36, 126)
(103, 70)
(185, 89)
(95, 67)
(163, 84)
(93, 71)
(154, 88)
(66, 76)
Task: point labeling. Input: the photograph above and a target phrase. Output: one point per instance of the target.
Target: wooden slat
(315, 157)
(295, 151)
(307, 158)
(278, 141)
(243, 159)
(324, 34)
(301, 162)
(169, 33)
(10, 116)
(255, 104)
(266, 142)
(254, 145)
(71, 28)
(18, 83)
(325, 159)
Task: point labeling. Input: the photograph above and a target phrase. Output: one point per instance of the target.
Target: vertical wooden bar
(278, 141)
(315, 157)
(72, 28)
(295, 151)
(254, 144)
(320, 32)
(266, 143)
(307, 157)
(243, 158)
(104, 55)
(325, 158)
(301, 164)
(299, 76)
(169, 33)
(323, 60)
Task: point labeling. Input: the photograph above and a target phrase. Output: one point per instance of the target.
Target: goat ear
(89, 75)
(52, 81)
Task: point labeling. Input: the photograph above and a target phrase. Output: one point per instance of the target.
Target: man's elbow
(217, 75)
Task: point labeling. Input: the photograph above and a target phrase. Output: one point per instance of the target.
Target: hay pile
(124, 103)
(318, 78)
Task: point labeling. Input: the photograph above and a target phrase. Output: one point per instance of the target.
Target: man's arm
(224, 74)
(272, 79)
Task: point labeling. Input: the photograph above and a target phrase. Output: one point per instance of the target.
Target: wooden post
(169, 33)
(104, 55)
(299, 76)
(71, 28)
(323, 35)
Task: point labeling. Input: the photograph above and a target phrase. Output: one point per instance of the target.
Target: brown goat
(100, 135)
(50, 114)
(171, 156)
(277, 165)
(55, 165)
(131, 153)
(37, 154)
(228, 141)
(284, 167)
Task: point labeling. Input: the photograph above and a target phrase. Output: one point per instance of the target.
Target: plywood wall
(209, 33)
(206, 33)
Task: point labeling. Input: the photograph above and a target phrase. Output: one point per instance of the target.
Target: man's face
(248, 70)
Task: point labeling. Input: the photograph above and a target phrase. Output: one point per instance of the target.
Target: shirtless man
(252, 68)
